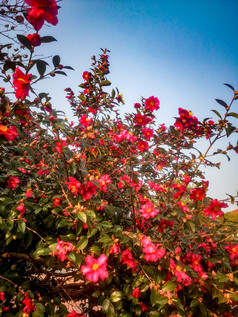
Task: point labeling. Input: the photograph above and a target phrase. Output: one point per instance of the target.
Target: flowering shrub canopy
(108, 214)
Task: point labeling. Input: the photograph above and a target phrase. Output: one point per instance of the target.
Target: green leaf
(155, 314)
(96, 250)
(40, 308)
(71, 256)
(24, 41)
(217, 113)
(47, 39)
(56, 61)
(222, 103)
(106, 83)
(233, 114)
(83, 242)
(169, 286)
(116, 296)
(22, 226)
(105, 239)
(82, 216)
(105, 305)
(154, 296)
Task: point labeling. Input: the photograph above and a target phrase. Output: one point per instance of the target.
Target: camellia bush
(105, 216)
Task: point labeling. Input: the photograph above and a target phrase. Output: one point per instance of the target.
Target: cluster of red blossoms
(41, 11)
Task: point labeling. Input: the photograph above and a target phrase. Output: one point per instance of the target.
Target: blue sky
(179, 51)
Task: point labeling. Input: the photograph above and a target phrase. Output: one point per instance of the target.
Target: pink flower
(103, 181)
(181, 276)
(41, 11)
(95, 269)
(34, 39)
(21, 83)
(62, 249)
(152, 103)
(21, 208)
(214, 209)
(152, 253)
(148, 210)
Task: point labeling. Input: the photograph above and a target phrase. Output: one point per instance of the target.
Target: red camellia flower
(214, 209)
(29, 306)
(136, 293)
(2, 298)
(21, 83)
(233, 251)
(86, 76)
(34, 39)
(73, 185)
(127, 259)
(9, 133)
(95, 269)
(142, 146)
(186, 120)
(141, 120)
(152, 103)
(148, 133)
(74, 314)
(41, 11)
(85, 121)
(13, 182)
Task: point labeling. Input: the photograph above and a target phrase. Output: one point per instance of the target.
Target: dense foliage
(107, 215)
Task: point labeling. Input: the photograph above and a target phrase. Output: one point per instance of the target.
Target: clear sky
(179, 51)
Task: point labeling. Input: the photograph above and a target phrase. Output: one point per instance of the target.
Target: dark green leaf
(47, 39)
(228, 85)
(41, 66)
(24, 41)
(68, 67)
(222, 103)
(56, 61)
(60, 72)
